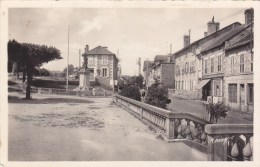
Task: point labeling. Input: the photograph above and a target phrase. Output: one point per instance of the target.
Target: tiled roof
(221, 39)
(246, 39)
(213, 34)
(99, 50)
(161, 58)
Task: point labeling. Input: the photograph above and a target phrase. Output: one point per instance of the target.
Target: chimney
(249, 16)
(186, 39)
(86, 49)
(212, 27)
(205, 34)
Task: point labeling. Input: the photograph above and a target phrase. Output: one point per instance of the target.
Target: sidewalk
(196, 107)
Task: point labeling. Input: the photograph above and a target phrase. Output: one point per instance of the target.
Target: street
(57, 128)
(196, 107)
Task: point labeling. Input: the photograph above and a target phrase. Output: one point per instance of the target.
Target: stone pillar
(84, 78)
(169, 128)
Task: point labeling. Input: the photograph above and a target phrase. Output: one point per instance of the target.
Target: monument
(84, 78)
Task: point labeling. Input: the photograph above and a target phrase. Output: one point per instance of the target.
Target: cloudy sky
(135, 32)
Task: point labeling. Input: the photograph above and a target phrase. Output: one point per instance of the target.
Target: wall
(234, 76)
(168, 74)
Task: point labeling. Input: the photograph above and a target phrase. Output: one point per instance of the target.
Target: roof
(99, 50)
(221, 39)
(213, 34)
(161, 58)
(240, 41)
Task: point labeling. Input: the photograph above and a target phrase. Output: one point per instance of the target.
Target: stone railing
(175, 125)
(102, 93)
(230, 142)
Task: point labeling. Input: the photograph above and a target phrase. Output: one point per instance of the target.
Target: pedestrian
(94, 92)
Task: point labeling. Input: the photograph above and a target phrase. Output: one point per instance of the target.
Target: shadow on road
(15, 99)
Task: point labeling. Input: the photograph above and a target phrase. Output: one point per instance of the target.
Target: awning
(203, 83)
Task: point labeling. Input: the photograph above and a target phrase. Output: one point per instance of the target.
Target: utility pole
(139, 66)
(79, 58)
(67, 83)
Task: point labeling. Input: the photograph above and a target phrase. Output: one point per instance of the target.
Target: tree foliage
(30, 56)
(216, 111)
(157, 95)
(132, 92)
(71, 69)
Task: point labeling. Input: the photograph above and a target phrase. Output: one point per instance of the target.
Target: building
(102, 64)
(161, 69)
(212, 57)
(146, 71)
(188, 62)
(239, 74)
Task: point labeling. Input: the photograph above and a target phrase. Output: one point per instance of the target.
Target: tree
(157, 95)
(31, 56)
(216, 111)
(71, 69)
(132, 92)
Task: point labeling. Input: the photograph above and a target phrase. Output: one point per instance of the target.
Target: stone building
(212, 57)
(162, 69)
(146, 71)
(102, 64)
(188, 64)
(239, 74)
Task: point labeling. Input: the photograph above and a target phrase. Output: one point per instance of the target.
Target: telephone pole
(67, 83)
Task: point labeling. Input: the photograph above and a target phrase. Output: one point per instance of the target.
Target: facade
(188, 62)
(161, 69)
(102, 64)
(213, 62)
(239, 77)
(146, 71)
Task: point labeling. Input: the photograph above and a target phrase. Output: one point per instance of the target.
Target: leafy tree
(216, 111)
(132, 92)
(157, 95)
(31, 56)
(71, 69)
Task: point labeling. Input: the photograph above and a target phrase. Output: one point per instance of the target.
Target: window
(212, 65)
(192, 66)
(242, 63)
(105, 59)
(232, 63)
(252, 62)
(219, 63)
(91, 60)
(250, 93)
(104, 72)
(206, 66)
(232, 93)
(187, 67)
(178, 70)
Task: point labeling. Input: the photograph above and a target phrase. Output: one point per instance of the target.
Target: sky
(130, 32)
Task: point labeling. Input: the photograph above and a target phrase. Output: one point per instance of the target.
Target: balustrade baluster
(234, 152)
(188, 131)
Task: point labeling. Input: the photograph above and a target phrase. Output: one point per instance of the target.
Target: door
(242, 98)
(250, 97)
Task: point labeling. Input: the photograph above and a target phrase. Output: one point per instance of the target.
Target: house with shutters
(102, 64)
(227, 67)
(189, 64)
(239, 74)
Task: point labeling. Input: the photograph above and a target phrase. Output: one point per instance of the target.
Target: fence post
(169, 128)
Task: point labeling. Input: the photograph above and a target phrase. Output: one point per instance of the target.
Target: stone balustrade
(230, 142)
(176, 125)
(70, 92)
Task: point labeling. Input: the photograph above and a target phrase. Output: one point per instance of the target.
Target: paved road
(196, 108)
(56, 128)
